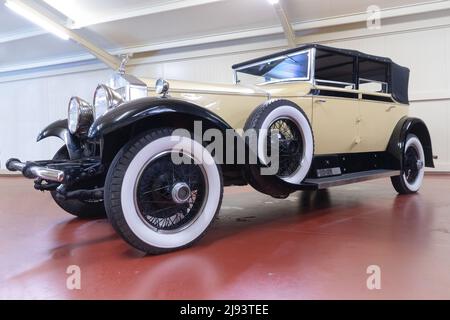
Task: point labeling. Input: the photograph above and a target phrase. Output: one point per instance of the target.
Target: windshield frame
(308, 78)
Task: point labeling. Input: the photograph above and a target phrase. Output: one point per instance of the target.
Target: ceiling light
(36, 18)
(273, 1)
(77, 15)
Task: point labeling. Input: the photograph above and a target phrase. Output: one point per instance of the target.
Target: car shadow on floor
(300, 207)
(79, 233)
(251, 211)
(265, 212)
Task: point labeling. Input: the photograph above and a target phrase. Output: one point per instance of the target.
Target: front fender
(60, 130)
(134, 111)
(56, 129)
(415, 126)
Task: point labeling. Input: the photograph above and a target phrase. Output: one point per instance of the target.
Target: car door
(379, 113)
(335, 103)
(335, 117)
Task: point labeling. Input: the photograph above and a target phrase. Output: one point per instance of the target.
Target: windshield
(291, 67)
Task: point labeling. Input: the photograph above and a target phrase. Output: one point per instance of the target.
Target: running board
(324, 183)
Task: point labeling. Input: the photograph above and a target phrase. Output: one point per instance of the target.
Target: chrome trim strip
(360, 92)
(285, 80)
(313, 66)
(218, 92)
(318, 81)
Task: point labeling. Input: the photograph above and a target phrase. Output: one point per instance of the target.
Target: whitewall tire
(413, 168)
(158, 206)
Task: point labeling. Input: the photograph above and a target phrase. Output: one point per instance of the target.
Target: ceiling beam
(110, 60)
(289, 32)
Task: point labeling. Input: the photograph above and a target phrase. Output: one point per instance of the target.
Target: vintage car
(330, 116)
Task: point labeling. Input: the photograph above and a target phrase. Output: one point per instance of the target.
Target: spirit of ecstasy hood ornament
(125, 58)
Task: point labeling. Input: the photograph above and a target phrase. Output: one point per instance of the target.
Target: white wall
(30, 105)
(421, 44)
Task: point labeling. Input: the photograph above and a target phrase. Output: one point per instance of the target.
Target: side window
(335, 70)
(373, 76)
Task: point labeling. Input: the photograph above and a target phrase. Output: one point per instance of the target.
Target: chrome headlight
(81, 116)
(105, 99)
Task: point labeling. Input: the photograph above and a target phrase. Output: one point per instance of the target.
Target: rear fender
(398, 139)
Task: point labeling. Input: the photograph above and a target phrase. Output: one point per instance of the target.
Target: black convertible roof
(317, 46)
(399, 76)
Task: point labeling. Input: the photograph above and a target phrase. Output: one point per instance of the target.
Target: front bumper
(34, 171)
(67, 172)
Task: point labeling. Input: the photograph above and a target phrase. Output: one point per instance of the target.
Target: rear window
(373, 76)
(335, 69)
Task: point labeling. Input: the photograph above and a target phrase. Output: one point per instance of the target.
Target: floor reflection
(311, 201)
(258, 248)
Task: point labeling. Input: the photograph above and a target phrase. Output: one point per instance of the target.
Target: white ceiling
(140, 25)
(304, 10)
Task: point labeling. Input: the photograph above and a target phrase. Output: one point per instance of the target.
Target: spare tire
(296, 146)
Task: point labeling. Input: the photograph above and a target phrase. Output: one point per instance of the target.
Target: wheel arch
(405, 126)
(121, 125)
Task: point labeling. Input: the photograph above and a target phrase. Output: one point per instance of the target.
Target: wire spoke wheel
(290, 143)
(411, 166)
(163, 191)
(170, 196)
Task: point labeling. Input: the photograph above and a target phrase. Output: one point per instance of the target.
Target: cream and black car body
(340, 116)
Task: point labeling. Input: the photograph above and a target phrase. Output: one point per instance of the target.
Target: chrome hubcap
(420, 164)
(290, 146)
(181, 193)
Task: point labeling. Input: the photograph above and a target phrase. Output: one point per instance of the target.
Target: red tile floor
(312, 245)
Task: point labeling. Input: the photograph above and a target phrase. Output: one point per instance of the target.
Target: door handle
(321, 101)
(391, 108)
